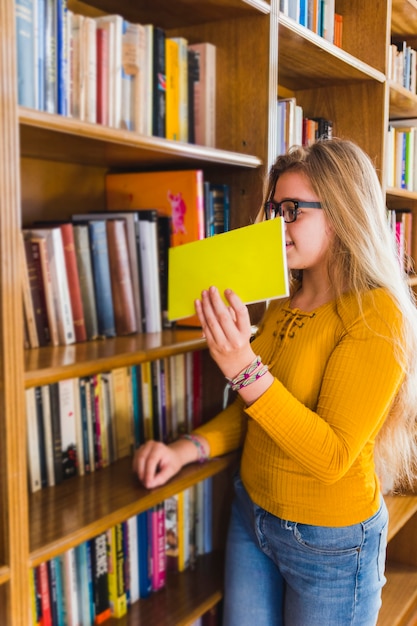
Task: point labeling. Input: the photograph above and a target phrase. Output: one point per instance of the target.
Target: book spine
(159, 83)
(67, 233)
(102, 113)
(158, 547)
(117, 594)
(25, 46)
(40, 257)
(44, 591)
(100, 578)
(41, 436)
(172, 89)
(70, 588)
(37, 295)
(61, 289)
(56, 432)
(61, 58)
(50, 84)
(145, 583)
(68, 430)
(121, 278)
(89, 51)
(183, 87)
(85, 273)
(133, 559)
(101, 275)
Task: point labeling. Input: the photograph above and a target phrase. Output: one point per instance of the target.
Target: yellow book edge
(250, 260)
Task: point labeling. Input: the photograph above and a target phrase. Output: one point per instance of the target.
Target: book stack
(110, 71)
(294, 129)
(104, 576)
(316, 15)
(81, 425)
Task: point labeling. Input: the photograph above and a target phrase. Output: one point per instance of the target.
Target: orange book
(178, 194)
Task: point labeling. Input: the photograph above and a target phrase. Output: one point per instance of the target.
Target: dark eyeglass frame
(276, 207)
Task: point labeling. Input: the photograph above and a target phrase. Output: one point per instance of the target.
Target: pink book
(158, 554)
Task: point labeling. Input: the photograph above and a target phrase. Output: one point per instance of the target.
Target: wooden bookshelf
(50, 165)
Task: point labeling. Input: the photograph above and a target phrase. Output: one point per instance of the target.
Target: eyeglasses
(288, 209)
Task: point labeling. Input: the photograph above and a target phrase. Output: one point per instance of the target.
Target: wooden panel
(404, 18)
(80, 508)
(400, 509)
(402, 102)
(13, 477)
(399, 596)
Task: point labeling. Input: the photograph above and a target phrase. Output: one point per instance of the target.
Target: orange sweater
(308, 441)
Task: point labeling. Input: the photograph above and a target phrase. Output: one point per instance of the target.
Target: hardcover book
(227, 261)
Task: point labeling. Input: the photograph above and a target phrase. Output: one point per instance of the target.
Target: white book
(116, 67)
(59, 278)
(70, 587)
(329, 9)
(205, 95)
(132, 524)
(148, 236)
(78, 427)
(76, 99)
(68, 427)
(89, 69)
(32, 442)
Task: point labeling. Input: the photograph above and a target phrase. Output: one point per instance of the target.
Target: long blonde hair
(363, 257)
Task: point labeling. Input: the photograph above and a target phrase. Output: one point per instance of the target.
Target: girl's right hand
(155, 463)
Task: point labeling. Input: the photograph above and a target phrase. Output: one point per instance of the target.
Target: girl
(327, 389)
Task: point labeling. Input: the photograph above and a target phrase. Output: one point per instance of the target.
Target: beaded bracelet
(245, 374)
(250, 379)
(202, 454)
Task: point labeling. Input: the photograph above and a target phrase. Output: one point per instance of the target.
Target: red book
(43, 587)
(73, 281)
(102, 76)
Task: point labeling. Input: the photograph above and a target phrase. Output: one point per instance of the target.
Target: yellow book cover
(117, 595)
(123, 417)
(178, 194)
(172, 89)
(250, 260)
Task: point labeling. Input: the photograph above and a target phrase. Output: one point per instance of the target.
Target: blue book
(56, 591)
(83, 587)
(50, 82)
(101, 277)
(145, 583)
(40, 56)
(303, 12)
(207, 515)
(25, 49)
(84, 404)
(61, 58)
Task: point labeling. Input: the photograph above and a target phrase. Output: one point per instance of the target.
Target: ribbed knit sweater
(308, 441)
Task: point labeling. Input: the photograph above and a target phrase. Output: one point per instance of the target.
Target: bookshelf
(51, 164)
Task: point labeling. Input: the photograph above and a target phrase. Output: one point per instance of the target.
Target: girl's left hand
(227, 330)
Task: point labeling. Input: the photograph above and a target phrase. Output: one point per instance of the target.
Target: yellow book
(172, 90)
(123, 417)
(250, 260)
(117, 595)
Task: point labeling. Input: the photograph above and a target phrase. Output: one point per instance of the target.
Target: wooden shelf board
(181, 12)
(186, 596)
(402, 102)
(4, 574)
(308, 61)
(60, 138)
(80, 508)
(404, 18)
(50, 364)
(401, 509)
(401, 194)
(399, 596)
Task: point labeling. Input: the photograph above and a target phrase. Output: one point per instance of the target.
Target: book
(62, 58)
(68, 427)
(121, 278)
(159, 83)
(50, 57)
(41, 260)
(59, 280)
(135, 43)
(85, 600)
(117, 595)
(176, 193)
(101, 277)
(53, 389)
(85, 273)
(25, 47)
(158, 556)
(28, 304)
(129, 68)
(172, 89)
(115, 66)
(102, 95)
(123, 411)
(70, 587)
(145, 583)
(149, 261)
(193, 78)
(41, 437)
(32, 441)
(171, 532)
(133, 559)
(182, 79)
(37, 295)
(226, 261)
(100, 578)
(44, 592)
(47, 433)
(67, 232)
(205, 95)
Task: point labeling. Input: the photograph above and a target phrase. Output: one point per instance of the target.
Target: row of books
(104, 576)
(401, 154)
(402, 65)
(110, 71)
(295, 129)
(401, 223)
(106, 274)
(316, 15)
(79, 425)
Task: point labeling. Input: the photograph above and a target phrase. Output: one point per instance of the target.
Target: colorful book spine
(159, 83)
(101, 275)
(100, 578)
(158, 555)
(25, 46)
(117, 595)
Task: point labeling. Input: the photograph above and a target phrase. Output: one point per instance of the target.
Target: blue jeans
(280, 572)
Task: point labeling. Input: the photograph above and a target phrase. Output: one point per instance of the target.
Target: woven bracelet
(250, 379)
(202, 455)
(245, 374)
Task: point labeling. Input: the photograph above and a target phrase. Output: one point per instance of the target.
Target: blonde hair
(364, 257)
